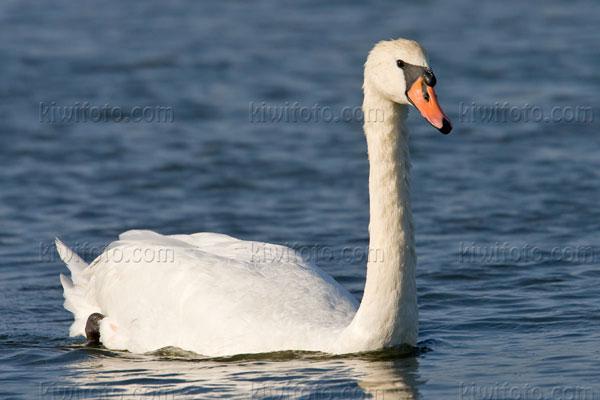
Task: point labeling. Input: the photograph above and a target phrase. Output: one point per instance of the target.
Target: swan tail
(75, 290)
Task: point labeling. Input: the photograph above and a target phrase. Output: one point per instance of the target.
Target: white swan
(216, 295)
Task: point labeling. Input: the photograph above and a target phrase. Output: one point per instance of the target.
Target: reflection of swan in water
(397, 379)
(174, 375)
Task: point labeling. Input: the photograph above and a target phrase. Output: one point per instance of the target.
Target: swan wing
(215, 295)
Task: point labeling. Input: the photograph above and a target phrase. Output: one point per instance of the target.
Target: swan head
(398, 71)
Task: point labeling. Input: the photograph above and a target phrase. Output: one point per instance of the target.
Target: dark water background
(520, 322)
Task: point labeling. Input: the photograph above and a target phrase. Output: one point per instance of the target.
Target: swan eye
(400, 63)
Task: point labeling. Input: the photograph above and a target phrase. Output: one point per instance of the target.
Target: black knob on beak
(429, 77)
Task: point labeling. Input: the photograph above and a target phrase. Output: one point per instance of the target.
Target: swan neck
(388, 312)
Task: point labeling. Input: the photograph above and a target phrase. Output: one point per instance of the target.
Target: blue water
(506, 211)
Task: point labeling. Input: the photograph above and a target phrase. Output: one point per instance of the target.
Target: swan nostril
(425, 92)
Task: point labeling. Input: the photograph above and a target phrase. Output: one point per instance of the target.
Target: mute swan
(216, 295)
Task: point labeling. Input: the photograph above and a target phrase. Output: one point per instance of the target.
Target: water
(513, 324)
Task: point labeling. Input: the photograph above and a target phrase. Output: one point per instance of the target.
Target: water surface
(509, 324)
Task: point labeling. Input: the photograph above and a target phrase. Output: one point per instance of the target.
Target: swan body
(209, 292)
(217, 295)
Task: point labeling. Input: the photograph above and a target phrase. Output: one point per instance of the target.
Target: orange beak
(424, 99)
